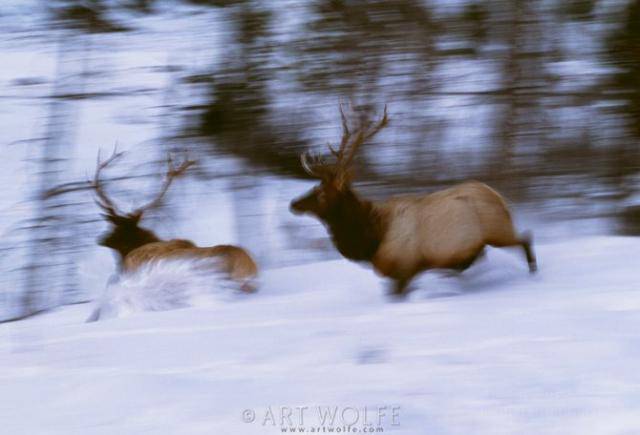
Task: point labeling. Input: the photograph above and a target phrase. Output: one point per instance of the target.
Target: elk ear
(135, 217)
(113, 218)
(122, 220)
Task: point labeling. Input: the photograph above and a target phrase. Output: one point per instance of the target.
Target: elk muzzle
(297, 206)
(307, 203)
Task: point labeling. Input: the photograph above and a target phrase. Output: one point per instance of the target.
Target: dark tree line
(399, 51)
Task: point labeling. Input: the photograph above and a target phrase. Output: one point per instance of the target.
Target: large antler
(103, 200)
(365, 132)
(349, 144)
(109, 207)
(346, 135)
(172, 172)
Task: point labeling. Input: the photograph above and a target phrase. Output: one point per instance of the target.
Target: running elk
(137, 246)
(405, 235)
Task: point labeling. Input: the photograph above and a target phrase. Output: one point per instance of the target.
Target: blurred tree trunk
(522, 125)
(250, 217)
(623, 50)
(44, 231)
(51, 268)
(508, 122)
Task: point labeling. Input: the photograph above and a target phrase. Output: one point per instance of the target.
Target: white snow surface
(494, 351)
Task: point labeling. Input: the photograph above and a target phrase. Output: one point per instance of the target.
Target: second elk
(405, 235)
(137, 246)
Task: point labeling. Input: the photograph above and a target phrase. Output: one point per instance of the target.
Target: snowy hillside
(495, 351)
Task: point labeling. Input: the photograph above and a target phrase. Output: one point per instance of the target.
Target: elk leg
(400, 287)
(461, 267)
(525, 242)
(248, 287)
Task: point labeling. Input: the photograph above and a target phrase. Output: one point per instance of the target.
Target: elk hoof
(248, 287)
(398, 290)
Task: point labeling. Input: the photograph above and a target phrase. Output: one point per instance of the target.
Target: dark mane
(126, 235)
(356, 229)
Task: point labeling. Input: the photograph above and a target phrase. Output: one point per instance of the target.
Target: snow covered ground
(495, 351)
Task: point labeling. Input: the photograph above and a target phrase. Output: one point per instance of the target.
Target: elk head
(335, 177)
(126, 234)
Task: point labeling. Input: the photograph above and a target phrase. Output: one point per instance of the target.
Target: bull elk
(405, 235)
(137, 246)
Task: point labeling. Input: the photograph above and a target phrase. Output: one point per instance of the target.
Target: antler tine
(306, 165)
(103, 200)
(348, 145)
(312, 164)
(172, 173)
(364, 134)
(381, 124)
(176, 172)
(346, 135)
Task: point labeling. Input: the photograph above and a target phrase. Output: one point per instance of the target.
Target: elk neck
(355, 226)
(131, 239)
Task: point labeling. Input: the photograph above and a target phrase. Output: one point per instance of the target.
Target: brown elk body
(405, 235)
(137, 246)
(232, 261)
